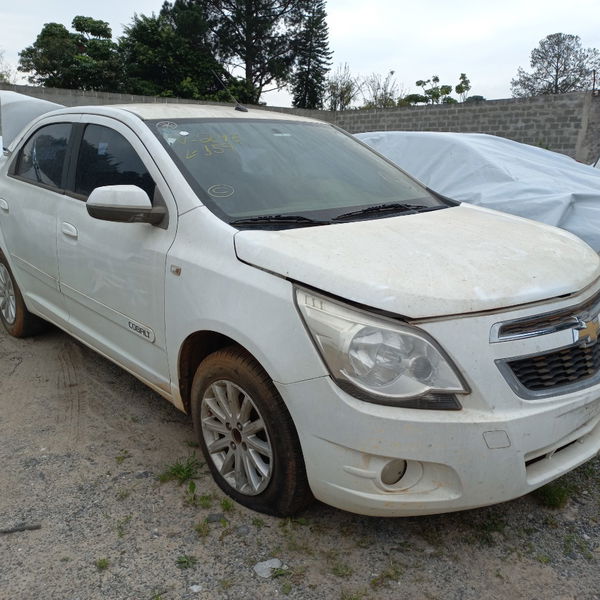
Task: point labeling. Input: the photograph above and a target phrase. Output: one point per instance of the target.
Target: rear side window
(42, 159)
(107, 158)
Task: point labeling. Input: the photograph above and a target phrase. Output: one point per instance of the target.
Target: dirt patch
(82, 445)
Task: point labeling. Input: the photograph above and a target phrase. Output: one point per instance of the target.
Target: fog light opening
(393, 471)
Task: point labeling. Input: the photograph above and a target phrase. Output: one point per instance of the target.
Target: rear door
(29, 200)
(113, 274)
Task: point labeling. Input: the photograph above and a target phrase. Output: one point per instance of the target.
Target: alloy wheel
(236, 437)
(8, 301)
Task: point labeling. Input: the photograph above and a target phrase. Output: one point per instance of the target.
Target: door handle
(3, 204)
(70, 230)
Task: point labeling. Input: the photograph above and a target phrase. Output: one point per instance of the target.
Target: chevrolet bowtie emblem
(586, 332)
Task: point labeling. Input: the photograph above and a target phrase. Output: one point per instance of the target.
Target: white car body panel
(381, 263)
(113, 275)
(255, 312)
(136, 293)
(29, 230)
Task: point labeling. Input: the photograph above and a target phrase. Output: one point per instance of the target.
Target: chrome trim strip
(572, 319)
(495, 336)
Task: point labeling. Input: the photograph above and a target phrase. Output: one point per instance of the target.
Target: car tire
(247, 435)
(15, 317)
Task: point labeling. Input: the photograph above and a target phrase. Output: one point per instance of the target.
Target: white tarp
(498, 173)
(16, 111)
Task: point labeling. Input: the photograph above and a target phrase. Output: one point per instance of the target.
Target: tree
(7, 75)
(560, 65)
(172, 53)
(435, 92)
(342, 88)
(313, 57)
(463, 87)
(378, 92)
(85, 60)
(257, 36)
(412, 99)
(50, 59)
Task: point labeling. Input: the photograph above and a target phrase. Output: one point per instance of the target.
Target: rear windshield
(251, 168)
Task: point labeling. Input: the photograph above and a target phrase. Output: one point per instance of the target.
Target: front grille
(556, 369)
(556, 320)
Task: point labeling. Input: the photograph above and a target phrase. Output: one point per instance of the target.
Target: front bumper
(455, 459)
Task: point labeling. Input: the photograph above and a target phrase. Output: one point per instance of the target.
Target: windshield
(297, 173)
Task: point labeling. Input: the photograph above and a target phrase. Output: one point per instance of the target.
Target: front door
(113, 274)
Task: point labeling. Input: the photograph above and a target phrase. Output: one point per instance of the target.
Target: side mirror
(124, 204)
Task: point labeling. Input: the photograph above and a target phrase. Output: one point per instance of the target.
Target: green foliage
(559, 64)
(172, 53)
(380, 92)
(183, 470)
(6, 72)
(436, 93)
(122, 524)
(313, 56)
(205, 501)
(227, 505)
(555, 494)
(122, 456)
(432, 89)
(186, 50)
(463, 87)
(475, 99)
(186, 561)
(202, 529)
(258, 36)
(85, 60)
(411, 99)
(391, 573)
(191, 497)
(102, 564)
(340, 569)
(342, 88)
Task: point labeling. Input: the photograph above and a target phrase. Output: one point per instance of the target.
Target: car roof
(167, 110)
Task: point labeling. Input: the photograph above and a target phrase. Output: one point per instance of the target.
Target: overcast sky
(484, 39)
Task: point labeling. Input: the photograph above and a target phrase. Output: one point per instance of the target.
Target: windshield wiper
(276, 219)
(397, 207)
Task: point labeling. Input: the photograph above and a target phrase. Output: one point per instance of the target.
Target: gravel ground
(82, 446)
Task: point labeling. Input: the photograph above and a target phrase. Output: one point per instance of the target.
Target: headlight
(379, 360)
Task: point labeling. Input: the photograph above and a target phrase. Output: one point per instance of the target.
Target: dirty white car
(333, 328)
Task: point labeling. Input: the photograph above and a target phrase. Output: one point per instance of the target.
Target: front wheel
(15, 317)
(247, 435)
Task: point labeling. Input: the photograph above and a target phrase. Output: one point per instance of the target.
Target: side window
(107, 158)
(43, 157)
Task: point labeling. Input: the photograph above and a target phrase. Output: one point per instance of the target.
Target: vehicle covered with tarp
(498, 173)
(16, 111)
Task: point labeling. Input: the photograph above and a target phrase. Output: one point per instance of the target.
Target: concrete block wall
(567, 123)
(552, 122)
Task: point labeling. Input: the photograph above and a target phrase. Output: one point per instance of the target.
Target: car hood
(453, 261)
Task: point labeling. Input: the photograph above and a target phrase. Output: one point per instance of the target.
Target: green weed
(186, 561)
(183, 470)
(102, 564)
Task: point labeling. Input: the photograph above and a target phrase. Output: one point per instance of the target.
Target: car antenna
(238, 106)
